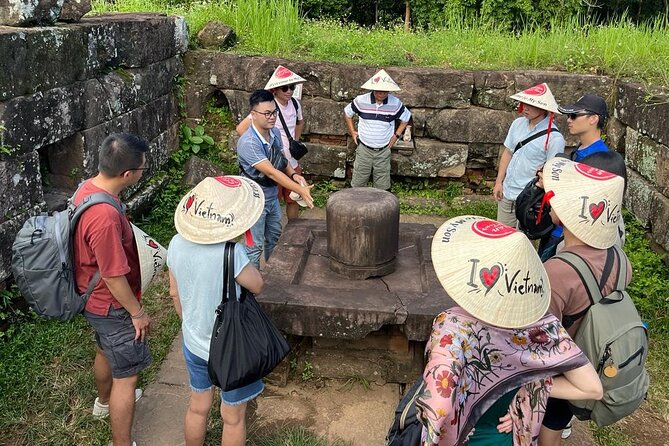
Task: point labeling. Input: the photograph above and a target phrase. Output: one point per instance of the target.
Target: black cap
(588, 103)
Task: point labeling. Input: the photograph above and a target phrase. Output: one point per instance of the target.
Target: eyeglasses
(268, 114)
(575, 116)
(286, 87)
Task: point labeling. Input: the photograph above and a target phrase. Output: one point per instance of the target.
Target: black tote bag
(245, 344)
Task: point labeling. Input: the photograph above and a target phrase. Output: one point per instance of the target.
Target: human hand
(142, 326)
(304, 192)
(354, 135)
(393, 140)
(505, 424)
(497, 192)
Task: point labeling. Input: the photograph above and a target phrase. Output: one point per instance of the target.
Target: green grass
(274, 27)
(296, 437)
(46, 382)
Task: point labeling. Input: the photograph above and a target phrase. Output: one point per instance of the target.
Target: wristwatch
(398, 136)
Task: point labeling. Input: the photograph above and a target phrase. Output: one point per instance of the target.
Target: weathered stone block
(64, 159)
(198, 64)
(639, 197)
(74, 10)
(133, 40)
(148, 122)
(227, 71)
(616, 132)
(38, 59)
(483, 156)
(470, 125)
(26, 13)
(197, 169)
(641, 153)
(20, 184)
(645, 112)
(431, 159)
(216, 35)
(239, 103)
(432, 88)
(660, 221)
(325, 160)
(196, 97)
(323, 116)
(662, 170)
(43, 118)
(35, 59)
(493, 88)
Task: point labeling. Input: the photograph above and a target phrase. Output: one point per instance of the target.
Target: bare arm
(351, 128)
(174, 294)
(501, 174)
(243, 126)
(299, 126)
(283, 179)
(578, 384)
(120, 288)
(398, 131)
(250, 279)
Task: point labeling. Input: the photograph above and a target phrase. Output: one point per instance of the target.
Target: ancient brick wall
(460, 119)
(64, 88)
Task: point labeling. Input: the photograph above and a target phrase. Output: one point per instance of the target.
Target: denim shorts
(198, 375)
(115, 335)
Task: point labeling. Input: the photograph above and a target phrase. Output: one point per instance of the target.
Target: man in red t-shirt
(103, 241)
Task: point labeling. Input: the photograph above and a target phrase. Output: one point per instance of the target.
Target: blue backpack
(42, 260)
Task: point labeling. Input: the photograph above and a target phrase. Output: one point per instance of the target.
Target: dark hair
(259, 96)
(601, 122)
(610, 161)
(121, 152)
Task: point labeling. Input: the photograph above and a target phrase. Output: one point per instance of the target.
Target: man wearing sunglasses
(261, 158)
(585, 119)
(282, 85)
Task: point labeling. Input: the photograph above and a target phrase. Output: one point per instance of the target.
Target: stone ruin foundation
(374, 328)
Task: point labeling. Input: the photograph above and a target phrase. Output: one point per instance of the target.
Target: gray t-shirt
(525, 162)
(198, 270)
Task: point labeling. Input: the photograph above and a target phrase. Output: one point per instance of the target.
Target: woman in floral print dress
(493, 361)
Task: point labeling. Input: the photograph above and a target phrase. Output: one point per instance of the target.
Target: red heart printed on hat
(596, 210)
(283, 72)
(490, 276)
(190, 201)
(376, 79)
(153, 244)
(537, 90)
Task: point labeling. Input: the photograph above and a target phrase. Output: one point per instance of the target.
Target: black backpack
(42, 260)
(406, 429)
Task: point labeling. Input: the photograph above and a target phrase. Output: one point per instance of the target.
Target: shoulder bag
(245, 344)
(297, 149)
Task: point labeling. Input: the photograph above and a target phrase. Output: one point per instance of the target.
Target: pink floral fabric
(471, 364)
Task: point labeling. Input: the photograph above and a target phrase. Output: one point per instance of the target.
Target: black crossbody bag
(297, 149)
(531, 138)
(245, 344)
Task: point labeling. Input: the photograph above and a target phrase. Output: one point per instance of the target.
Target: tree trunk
(407, 17)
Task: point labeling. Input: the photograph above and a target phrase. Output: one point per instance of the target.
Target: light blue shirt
(198, 270)
(528, 159)
(253, 149)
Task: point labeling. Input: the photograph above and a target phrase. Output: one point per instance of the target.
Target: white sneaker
(566, 432)
(102, 410)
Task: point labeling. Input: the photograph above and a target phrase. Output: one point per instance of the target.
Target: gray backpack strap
(87, 202)
(621, 283)
(585, 273)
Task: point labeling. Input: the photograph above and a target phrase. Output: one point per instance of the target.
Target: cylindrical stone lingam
(363, 232)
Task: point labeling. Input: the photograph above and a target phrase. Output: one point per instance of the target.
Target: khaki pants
(371, 162)
(506, 212)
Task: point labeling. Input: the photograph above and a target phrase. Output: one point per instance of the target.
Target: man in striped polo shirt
(377, 112)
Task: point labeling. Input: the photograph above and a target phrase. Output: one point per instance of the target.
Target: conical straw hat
(491, 270)
(152, 256)
(588, 201)
(283, 76)
(381, 81)
(539, 96)
(219, 209)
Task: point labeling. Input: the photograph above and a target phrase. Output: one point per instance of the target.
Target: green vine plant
(194, 139)
(4, 150)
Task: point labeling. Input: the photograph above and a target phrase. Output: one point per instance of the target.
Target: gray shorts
(115, 335)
